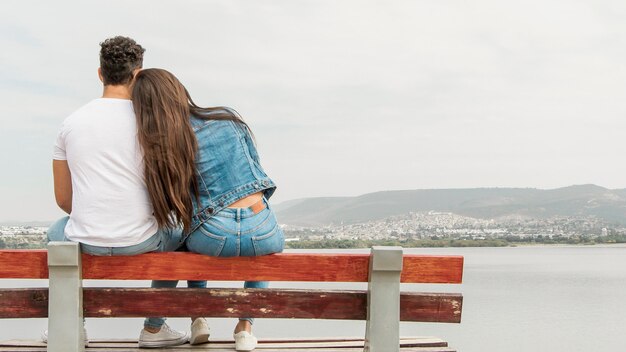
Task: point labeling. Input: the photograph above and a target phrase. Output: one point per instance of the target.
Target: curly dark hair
(119, 57)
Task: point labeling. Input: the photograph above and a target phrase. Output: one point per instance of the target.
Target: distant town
(22, 236)
(442, 229)
(414, 229)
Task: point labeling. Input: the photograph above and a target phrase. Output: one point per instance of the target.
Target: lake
(516, 299)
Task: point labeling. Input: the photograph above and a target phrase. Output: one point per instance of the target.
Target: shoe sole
(157, 344)
(250, 346)
(245, 349)
(199, 339)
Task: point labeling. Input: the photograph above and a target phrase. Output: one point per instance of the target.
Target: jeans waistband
(247, 212)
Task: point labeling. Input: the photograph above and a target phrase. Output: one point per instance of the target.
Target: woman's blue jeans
(235, 232)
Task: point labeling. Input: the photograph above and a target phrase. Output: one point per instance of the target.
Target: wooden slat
(262, 303)
(275, 267)
(314, 304)
(189, 266)
(430, 342)
(431, 307)
(413, 344)
(24, 264)
(268, 303)
(404, 340)
(24, 303)
(432, 269)
(291, 345)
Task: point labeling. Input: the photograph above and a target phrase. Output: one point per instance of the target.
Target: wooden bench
(383, 306)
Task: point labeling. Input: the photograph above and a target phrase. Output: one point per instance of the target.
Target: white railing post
(382, 332)
(65, 301)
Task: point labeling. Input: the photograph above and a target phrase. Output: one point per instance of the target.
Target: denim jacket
(227, 167)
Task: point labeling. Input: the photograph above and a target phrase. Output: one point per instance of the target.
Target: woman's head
(162, 109)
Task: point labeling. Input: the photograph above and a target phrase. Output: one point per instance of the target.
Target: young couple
(145, 169)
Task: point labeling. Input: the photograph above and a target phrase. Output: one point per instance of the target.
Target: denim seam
(211, 235)
(206, 188)
(220, 239)
(257, 227)
(266, 236)
(256, 240)
(203, 125)
(246, 151)
(219, 227)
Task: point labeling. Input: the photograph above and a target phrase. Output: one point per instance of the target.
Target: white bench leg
(65, 298)
(382, 332)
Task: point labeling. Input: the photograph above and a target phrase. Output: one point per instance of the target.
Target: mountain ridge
(489, 202)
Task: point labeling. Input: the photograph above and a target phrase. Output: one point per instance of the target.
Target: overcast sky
(345, 97)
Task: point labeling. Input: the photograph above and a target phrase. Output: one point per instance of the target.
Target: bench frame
(379, 306)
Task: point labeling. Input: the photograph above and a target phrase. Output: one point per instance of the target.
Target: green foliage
(614, 238)
(435, 241)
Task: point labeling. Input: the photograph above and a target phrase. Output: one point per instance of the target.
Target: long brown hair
(163, 106)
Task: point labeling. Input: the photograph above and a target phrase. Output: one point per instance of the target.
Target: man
(98, 177)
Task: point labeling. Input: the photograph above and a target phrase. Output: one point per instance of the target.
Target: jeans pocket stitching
(271, 233)
(220, 239)
(216, 225)
(255, 228)
(255, 241)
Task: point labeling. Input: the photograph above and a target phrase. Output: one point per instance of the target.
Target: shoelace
(167, 328)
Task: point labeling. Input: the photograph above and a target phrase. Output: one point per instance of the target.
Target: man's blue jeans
(165, 240)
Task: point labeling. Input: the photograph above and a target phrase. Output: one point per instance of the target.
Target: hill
(485, 203)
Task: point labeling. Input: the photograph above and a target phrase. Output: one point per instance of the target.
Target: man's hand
(62, 184)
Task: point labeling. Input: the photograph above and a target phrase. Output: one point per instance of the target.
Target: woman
(203, 172)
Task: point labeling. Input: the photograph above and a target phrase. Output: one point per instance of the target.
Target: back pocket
(204, 242)
(272, 242)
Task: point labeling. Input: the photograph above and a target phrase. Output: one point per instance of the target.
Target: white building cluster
(439, 225)
(22, 236)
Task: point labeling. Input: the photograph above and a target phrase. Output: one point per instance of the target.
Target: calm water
(526, 299)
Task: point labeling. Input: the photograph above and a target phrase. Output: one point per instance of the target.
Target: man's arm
(62, 184)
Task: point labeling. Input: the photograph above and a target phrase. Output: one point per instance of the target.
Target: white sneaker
(199, 331)
(165, 337)
(44, 336)
(244, 341)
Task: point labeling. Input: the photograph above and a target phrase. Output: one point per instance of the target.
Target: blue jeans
(165, 240)
(239, 232)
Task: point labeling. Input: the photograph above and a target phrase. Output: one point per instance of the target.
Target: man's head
(120, 58)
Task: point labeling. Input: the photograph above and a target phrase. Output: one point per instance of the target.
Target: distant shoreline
(356, 244)
(369, 244)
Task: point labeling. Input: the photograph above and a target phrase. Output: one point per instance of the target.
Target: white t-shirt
(110, 202)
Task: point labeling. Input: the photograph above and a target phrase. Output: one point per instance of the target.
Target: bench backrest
(268, 303)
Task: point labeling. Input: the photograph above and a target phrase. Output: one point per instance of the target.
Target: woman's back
(227, 165)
